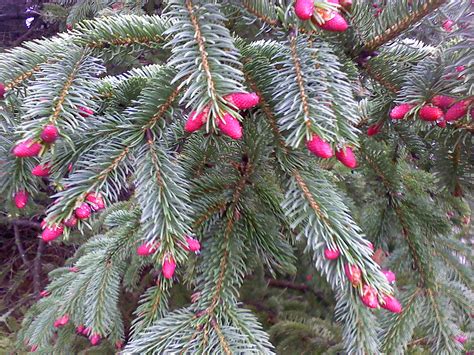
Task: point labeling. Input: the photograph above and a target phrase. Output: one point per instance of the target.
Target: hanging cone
(346, 156)
(319, 147)
(243, 100)
(230, 126)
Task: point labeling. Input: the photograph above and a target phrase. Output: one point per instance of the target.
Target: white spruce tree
(243, 131)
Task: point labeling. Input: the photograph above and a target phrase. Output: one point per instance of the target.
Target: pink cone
(331, 254)
(168, 267)
(319, 147)
(441, 123)
(391, 304)
(95, 339)
(27, 148)
(44, 293)
(41, 170)
(80, 328)
(430, 113)
(304, 9)
(461, 338)
(21, 199)
(243, 100)
(85, 111)
(70, 222)
(49, 134)
(373, 129)
(2, 91)
(83, 211)
(230, 126)
(389, 275)
(336, 24)
(442, 101)
(346, 156)
(192, 245)
(52, 232)
(196, 120)
(95, 201)
(448, 25)
(354, 274)
(146, 249)
(399, 112)
(458, 110)
(369, 296)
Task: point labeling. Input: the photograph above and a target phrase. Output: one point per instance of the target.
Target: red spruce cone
(441, 123)
(399, 112)
(95, 201)
(458, 110)
(448, 25)
(41, 170)
(354, 274)
(346, 156)
(430, 113)
(442, 101)
(85, 111)
(80, 328)
(337, 23)
(369, 297)
(192, 245)
(331, 254)
(49, 134)
(168, 267)
(196, 120)
(461, 339)
(83, 211)
(374, 129)
(70, 222)
(2, 91)
(243, 100)
(95, 339)
(21, 199)
(230, 126)
(391, 304)
(28, 148)
(319, 147)
(304, 9)
(390, 275)
(146, 249)
(52, 232)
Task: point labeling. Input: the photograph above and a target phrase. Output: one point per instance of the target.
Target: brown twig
(19, 245)
(37, 268)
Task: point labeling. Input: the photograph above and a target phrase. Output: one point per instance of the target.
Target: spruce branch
(380, 79)
(262, 10)
(402, 24)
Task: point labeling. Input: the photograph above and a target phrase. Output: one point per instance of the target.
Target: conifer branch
(253, 7)
(403, 24)
(299, 78)
(403, 223)
(58, 104)
(21, 78)
(309, 197)
(380, 79)
(202, 49)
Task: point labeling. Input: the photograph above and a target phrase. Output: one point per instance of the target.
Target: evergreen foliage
(120, 86)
